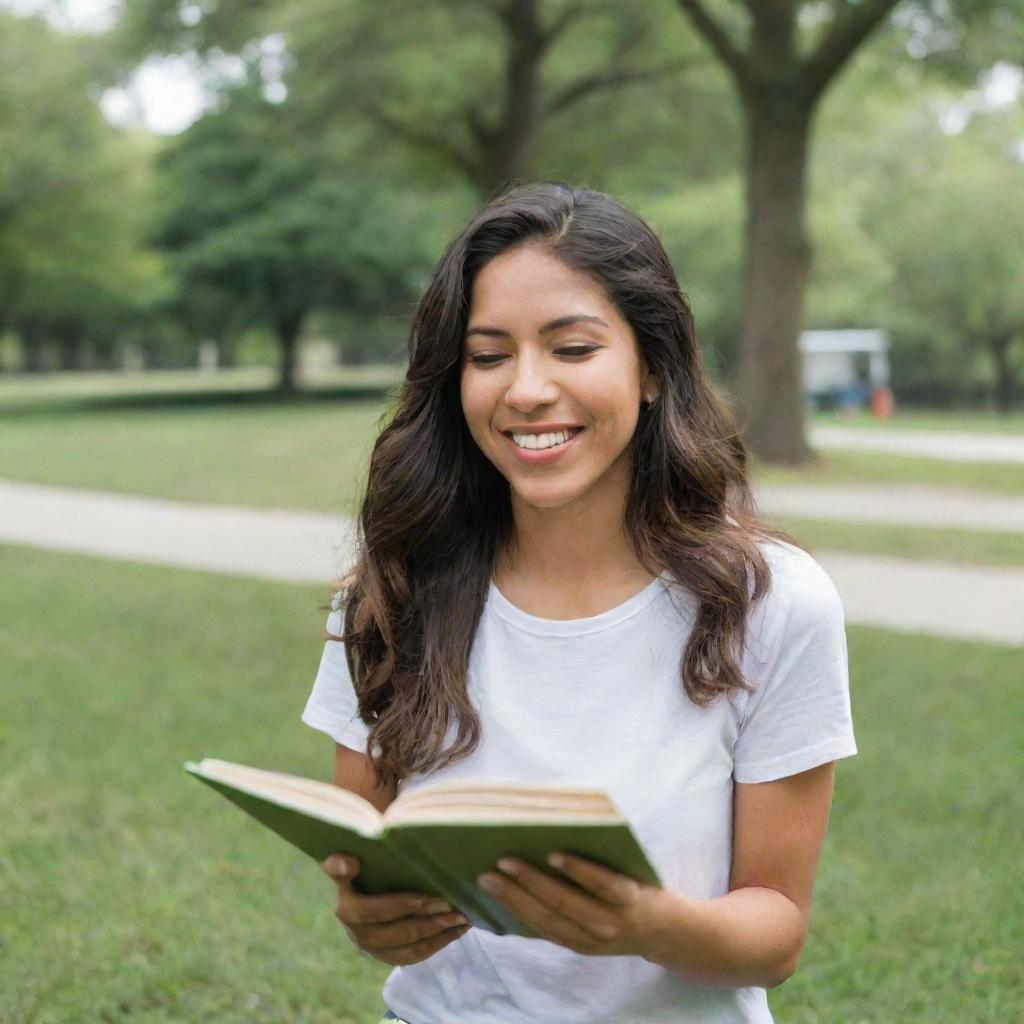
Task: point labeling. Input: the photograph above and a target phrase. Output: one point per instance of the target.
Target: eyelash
(575, 351)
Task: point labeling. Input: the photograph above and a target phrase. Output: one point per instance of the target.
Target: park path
(929, 444)
(299, 547)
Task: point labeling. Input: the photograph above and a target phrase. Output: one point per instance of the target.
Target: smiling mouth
(542, 442)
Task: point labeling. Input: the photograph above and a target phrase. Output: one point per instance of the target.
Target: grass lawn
(131, 891)
(311, 454)
(303, 456)
(24, 391)
(967, 547)
(836, 467)
(958, 420)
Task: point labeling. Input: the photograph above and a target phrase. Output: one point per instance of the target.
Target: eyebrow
(562, 321)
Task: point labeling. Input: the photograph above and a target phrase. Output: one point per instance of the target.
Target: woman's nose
(532, 384)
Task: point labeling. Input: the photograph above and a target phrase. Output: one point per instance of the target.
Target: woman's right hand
(398, 928)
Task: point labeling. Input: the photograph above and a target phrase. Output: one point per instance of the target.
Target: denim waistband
(392, 1018)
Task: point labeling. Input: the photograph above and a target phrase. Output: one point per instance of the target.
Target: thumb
(340, 866)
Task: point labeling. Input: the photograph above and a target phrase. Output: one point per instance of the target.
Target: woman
(561, 578)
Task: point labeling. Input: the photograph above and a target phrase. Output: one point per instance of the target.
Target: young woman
(561, 577)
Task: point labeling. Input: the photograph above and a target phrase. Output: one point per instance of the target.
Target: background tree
(782, 56)
(71, 197)
(279, 220)
(462, 90)
(953, 233)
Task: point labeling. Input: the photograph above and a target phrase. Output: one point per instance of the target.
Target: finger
(609, 886)
(407, 930)
(341, 866)
(403, 956)
(362, 908)
(599, 915)
(554, 908)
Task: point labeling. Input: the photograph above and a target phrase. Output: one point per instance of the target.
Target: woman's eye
(572, 350)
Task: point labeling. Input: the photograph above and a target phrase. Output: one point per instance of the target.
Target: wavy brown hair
(435, 511)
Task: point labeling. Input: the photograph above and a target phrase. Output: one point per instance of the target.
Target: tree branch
(728, 53)
(558, 25)
(483, 135)
(839, 43)
(575, 91)
(423, 138)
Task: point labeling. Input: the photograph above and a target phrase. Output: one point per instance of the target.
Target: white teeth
(549, 440)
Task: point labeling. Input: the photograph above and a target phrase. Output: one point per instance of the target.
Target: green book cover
(437, 839)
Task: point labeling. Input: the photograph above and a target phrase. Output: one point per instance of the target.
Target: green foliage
(265, 224)
(71, 189)
(915, 230)
(701, 227)
(952, 237)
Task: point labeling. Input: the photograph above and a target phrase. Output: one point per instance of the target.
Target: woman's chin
(545, 497)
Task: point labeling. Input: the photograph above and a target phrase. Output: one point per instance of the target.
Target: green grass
(305, 456)
(246, 448)
(63, 390)
(130, 892)
(960, 420)
(941, 545)
(855, 467)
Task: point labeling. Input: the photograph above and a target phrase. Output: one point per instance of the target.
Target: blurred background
(215, 219)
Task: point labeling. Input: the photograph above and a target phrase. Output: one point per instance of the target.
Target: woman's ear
(651, 387)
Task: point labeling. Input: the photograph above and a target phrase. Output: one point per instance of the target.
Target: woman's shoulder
(801, 596)
(792, 568)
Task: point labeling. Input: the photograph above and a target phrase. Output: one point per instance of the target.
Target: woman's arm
(755, 934)
(352, 771)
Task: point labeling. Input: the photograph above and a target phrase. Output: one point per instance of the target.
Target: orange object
(882, 402)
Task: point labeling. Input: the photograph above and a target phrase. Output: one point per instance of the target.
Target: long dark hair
(436, 511)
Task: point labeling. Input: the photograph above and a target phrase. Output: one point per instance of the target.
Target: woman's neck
(570, 549)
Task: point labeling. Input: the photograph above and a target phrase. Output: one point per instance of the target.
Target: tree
(511, 71)
(532, 64)
(792, 53)
(953, 234)
(279, 223)
(70, 197)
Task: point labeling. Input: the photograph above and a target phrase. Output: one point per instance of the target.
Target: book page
(503, 800)
(322, 799)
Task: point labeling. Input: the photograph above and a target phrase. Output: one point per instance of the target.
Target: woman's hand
(597, 911)
(398, 928)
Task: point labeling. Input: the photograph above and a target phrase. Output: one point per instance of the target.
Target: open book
(438, 838)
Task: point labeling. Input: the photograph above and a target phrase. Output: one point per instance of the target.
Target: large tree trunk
(777, 266)
(779, 88)
(505, 150)
(288, 326)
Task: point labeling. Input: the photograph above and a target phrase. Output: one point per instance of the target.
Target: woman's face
(546, 354)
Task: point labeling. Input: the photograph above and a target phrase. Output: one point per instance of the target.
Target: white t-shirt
(599, 701)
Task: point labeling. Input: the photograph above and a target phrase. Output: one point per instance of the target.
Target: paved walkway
(899, 594)
(294, 547)
(929, 444)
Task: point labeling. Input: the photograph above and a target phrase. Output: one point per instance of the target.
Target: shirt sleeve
(799, 716)
(332, 707)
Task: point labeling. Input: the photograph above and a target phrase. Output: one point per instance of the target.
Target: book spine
(453, 889)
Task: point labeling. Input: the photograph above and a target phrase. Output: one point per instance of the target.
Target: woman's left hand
(597, 912)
